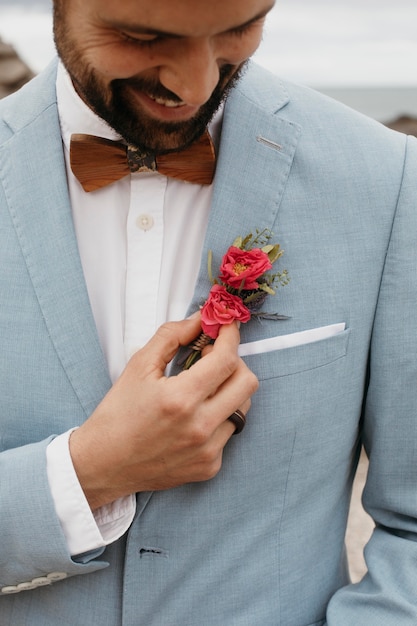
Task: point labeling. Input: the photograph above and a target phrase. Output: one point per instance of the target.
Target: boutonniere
(241, 288)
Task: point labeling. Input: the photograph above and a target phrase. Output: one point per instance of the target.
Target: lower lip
(161, 112)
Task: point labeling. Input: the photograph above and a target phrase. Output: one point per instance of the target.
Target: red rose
(241, 268)
(221, 307)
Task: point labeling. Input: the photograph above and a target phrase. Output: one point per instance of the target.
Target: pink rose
(221, 307)
(241, 268)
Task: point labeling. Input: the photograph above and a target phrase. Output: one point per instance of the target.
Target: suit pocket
(302, 358)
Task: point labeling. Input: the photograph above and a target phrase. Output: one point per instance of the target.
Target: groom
(125, 499)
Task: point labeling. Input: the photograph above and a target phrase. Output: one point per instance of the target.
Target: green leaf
(250, 298)
(275, 253)
(246, 240)
(209, 267)
(267, 288)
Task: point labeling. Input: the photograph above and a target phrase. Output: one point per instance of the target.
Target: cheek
(111, 56)
(118, 61)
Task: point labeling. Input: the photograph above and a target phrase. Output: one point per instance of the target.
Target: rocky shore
(13, 71)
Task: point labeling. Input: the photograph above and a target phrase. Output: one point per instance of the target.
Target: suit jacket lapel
(41, 213)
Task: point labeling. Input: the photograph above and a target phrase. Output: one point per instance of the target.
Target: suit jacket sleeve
(33, 544)
(46, 328)
(387, 594)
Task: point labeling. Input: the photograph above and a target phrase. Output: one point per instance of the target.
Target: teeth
(168, 103)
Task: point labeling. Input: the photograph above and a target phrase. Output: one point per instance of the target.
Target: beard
(111, 101)
(113, 104)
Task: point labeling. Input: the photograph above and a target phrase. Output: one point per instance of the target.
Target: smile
(162, 109)
(167, 103)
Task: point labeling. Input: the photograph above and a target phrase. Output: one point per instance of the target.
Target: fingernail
(195, 314)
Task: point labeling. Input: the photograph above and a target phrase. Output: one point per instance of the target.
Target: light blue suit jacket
(262, 543)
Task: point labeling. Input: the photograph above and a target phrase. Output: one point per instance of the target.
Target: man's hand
(151, 432)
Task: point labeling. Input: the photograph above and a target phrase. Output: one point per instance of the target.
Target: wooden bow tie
(97, 162)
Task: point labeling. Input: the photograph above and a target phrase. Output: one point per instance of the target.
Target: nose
(192, 71)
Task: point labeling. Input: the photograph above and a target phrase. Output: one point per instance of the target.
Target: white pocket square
(290, 341)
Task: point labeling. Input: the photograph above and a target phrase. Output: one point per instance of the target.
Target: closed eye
(142, 40)
(240, 31)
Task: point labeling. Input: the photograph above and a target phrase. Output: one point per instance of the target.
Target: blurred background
(361, 52)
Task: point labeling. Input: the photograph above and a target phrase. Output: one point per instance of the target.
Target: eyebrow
(144, 30)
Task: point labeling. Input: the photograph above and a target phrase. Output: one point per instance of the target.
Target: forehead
(184, 17)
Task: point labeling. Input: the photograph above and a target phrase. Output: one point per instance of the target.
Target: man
(151, 512)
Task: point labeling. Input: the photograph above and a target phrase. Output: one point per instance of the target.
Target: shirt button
(144, 222)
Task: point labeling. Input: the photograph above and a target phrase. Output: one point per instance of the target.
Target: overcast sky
(343, 42)
(320, 43)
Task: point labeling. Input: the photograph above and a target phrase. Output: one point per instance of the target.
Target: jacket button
(56, 576)
(10, 589)
(42, 580)
(26, 586)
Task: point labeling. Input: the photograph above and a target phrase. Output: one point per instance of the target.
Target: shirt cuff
(84, 530)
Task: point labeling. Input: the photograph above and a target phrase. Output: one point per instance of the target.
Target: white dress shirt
(140, 242)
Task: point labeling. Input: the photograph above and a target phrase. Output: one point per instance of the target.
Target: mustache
(151, 89)
(155, 89)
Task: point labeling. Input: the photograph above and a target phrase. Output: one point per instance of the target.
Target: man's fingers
(169, 337)
(214, 387)
(218, 364)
